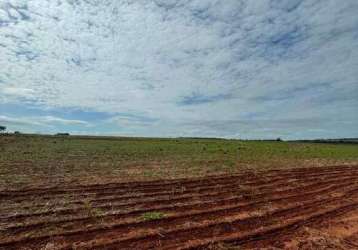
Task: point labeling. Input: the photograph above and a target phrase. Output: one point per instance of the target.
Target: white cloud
(144, 57)
(39, 121)
(52, 119)
(6, 120)
(18, 92)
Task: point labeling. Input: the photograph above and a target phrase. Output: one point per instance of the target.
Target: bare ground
(303, 208)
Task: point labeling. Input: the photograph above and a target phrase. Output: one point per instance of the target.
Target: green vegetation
(50, 160)
(90, 210)
(152, 216)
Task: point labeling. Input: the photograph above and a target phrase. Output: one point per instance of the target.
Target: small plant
(152, 216)
(148, 173)
(91, 211)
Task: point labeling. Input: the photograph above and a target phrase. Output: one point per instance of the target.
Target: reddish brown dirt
(313, 208)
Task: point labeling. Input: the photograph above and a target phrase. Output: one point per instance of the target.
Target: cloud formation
(230, 68)
(44, 123)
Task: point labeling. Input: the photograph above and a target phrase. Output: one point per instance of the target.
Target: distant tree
(63, 134)
(278, 139)
(2, 128)
(17, 132)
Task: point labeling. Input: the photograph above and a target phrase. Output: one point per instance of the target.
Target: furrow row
(160, 185)
(182, 197)
(137, 210)
(224, 223)
(184, 217)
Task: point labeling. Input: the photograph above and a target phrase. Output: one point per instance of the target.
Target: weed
(148, 173)
(91, 211)
(152, 216)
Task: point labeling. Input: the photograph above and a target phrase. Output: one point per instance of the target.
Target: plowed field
(272, 209)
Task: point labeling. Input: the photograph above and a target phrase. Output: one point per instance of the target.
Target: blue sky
(233, 69)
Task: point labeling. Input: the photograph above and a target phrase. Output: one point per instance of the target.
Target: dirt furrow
(167, 199)
(183, 218)
(274, 230)
(222, 225)
(160, 185)
(195, 213)
(182, 190)
(137, 210)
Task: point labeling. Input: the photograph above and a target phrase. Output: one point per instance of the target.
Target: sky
(168, 68)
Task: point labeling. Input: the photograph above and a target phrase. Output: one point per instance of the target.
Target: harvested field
(291, 208)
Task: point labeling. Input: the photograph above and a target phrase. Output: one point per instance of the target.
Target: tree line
(2, 128)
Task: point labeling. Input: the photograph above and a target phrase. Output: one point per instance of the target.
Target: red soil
(287, 209)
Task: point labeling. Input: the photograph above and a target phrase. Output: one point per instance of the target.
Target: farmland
(49, 161)
(141, 193)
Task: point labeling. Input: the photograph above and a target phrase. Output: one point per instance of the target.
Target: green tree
(2, 128)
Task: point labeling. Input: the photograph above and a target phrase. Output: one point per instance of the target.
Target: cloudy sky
(236, 69)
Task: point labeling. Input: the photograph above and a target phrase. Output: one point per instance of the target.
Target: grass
(152, 216)
(46, 160)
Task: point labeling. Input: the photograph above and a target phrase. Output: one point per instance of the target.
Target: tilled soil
(285, 209)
